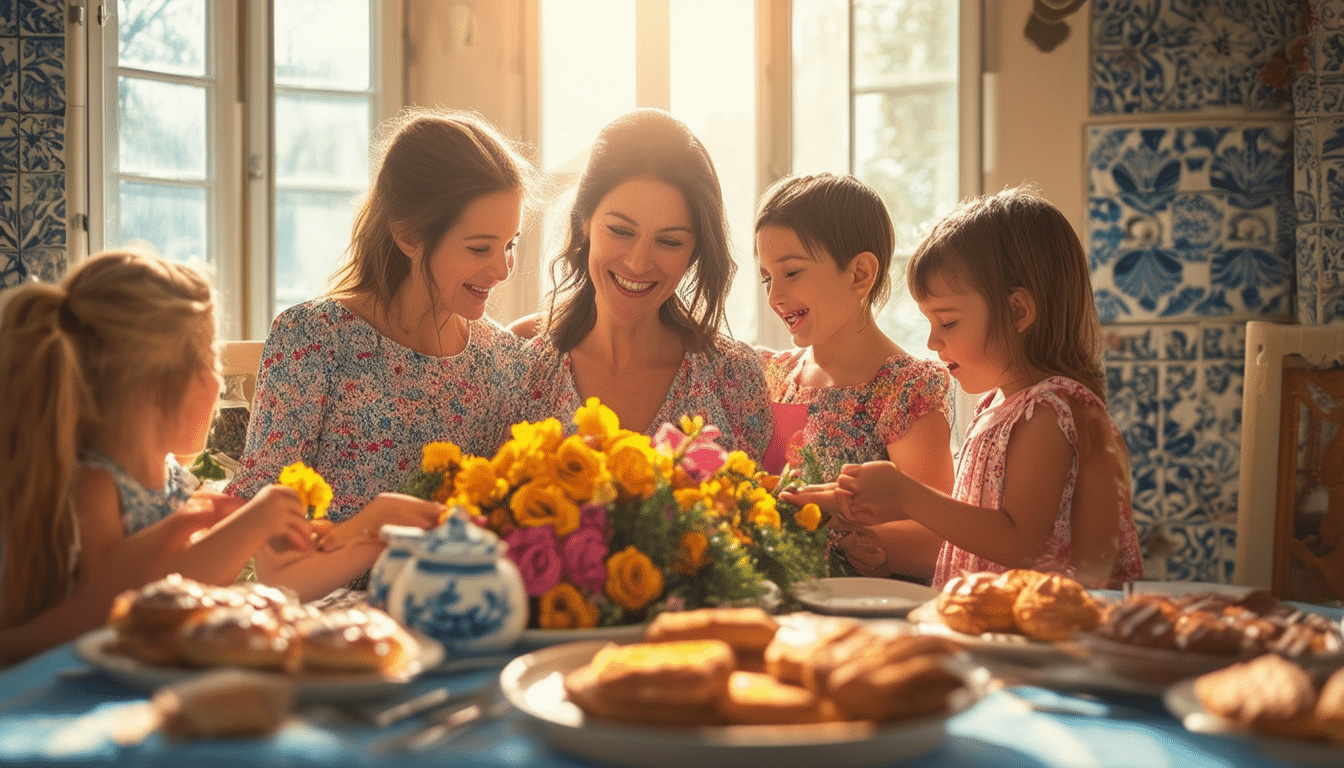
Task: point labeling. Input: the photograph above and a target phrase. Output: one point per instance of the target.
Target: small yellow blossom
(694, 545)
(312, 489)
(477, 482)
(692, 425)
(597, 420)
(764, 512)
(441, 457)
(739, 463)
(809, 517)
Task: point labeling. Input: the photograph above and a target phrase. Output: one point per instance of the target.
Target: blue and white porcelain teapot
(456, 585)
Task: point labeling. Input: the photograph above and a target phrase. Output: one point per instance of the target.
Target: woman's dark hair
(649, 143)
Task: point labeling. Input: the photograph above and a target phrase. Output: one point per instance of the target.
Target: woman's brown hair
(1017, 239)
(652, 143)
(431, 165)
(123, 326)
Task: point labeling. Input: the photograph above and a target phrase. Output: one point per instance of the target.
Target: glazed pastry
(1146, 620)
(355, 640)
(1267, 689)
(759, 699)
(793, 644)
(675, 672)
(1054, 607)
(240, 636)
(973, 603)
(894, 690)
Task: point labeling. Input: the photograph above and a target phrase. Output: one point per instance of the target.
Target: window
(235, 135)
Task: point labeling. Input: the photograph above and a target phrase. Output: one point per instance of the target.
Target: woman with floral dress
(400, 353)
(644, 278)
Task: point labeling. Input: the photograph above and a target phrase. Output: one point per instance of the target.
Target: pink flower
(702, 457)
(593, 516)
(535, 553)
(584, 553)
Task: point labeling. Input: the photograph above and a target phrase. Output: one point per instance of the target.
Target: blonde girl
(103, 378)
(1042, 478)
(824, 244)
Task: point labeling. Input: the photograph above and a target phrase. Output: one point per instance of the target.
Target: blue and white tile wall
(1215, 191)
(32, 140)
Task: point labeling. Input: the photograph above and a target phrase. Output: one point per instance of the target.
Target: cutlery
(450, 723)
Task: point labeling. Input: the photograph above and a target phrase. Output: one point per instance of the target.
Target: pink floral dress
(358, 407)
(980, 481)
(725, 387)
(850, 425)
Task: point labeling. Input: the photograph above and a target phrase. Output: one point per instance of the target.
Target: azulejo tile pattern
(1318, 154)
(1191, 221)
(1176, 394)
(32, 140)
(1186, 55)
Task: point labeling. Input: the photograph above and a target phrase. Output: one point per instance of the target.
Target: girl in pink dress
(847, 392)
(1043, 477)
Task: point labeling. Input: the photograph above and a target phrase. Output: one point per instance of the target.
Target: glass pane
(322, 140)
(170, 218)
(724, 119)
(587, 76)
(905, 147)
(312, 231)
(900, 318)
(820, 45)
(163, 129)
(904, 41)
(323, 43)
(162, 35)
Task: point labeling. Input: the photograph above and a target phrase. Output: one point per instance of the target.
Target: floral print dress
(851, 425)
(980, 480)
(726, 387)
(142, 507)
(358, 407)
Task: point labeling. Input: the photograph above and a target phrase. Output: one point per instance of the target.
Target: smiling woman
(400, 353)
(642, 284)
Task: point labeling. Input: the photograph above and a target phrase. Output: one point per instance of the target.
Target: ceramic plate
(534, 683)
(533, 639)
(862, 596)
(1186, 707)
(96, 648)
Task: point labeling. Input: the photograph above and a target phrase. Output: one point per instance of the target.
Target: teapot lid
(458, 539)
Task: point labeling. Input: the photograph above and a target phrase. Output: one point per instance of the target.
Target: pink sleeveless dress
(980, 470)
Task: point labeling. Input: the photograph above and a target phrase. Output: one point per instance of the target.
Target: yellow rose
(504, 459)
(313, 491)
(764, 513)
(544, 503)
(440, 457)
(578, 469)
(630, 459)
(563, 607)
(597, 420)
(739, 463)
(541, 436)
(694, 544)
(809, 516)
(633, 581)
(477, 482)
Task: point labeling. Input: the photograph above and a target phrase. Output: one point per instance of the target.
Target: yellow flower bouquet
(609, 527)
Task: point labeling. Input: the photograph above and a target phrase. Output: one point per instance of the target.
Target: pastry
(239, 636)
(747, 630)
(582, 688)
(833, 651)
(355, 640)
(1267, 689)
(675, 672)
(228, 702)
(894, 689)
(973, 603)
(753, 698)
(1145, 620)
(785, 655)
(1053, 607)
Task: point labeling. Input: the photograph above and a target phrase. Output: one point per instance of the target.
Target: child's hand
(282, 514)
(868, 493)
(824, 495)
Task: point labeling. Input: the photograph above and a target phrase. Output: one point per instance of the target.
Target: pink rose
(535, 553)
(584, 553)
(593, 516)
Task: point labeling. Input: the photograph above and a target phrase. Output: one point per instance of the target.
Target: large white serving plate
(862, 596)
(534, 683)
(99, 649)
(1005, 645)
(1186, 707)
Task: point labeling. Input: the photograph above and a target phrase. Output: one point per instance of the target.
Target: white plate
(533, 639)
(534, 683)
(1185, 706)
(862, 596)
(96, 648)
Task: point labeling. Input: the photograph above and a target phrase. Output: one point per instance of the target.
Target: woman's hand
(385, 509)
(864, 551)
(870, 493)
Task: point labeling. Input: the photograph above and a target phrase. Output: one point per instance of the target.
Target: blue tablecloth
(53, 711)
